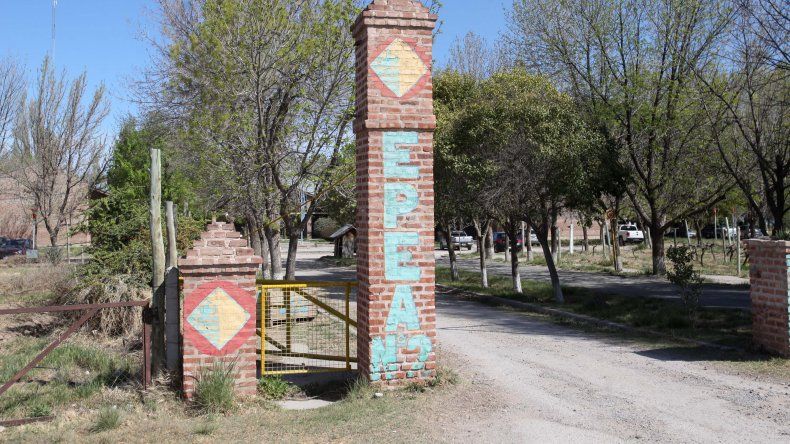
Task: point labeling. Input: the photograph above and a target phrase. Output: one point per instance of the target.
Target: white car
(460, 240)
(629, 234)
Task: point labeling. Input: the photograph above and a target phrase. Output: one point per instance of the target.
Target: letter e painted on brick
(396, 158)
(395, 257)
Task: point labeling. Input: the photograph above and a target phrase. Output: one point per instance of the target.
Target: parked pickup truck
(460, 240)
(629, 233)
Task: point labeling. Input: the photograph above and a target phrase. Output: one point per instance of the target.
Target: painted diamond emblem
(399, 67)
(218, 318)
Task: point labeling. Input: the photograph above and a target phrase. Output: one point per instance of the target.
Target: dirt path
(557, 384)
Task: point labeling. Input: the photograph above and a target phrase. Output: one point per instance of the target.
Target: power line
(52, 47)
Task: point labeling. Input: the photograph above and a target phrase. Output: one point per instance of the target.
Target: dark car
(746, 232)
(501, 243)
(709, 231)
(680, 231)
(15, 247)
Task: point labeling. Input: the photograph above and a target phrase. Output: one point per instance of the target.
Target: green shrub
(274, 387)
(686, 277)
(108, 419)
(214, 389)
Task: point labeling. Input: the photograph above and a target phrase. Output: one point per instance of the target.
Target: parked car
(710, 231)
(460, 240)
(746, 232)
(15, 247)
(501, 243)
(629, 234)
(680, 231)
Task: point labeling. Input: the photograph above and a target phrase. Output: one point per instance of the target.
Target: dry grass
(116, 322)
(34, 284)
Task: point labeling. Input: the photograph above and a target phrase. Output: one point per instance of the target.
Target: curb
(589, 320)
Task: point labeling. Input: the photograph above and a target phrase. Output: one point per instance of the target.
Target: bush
(125, 322)
(274, 387)
(214, 388)
(686, 277)
(324, 228)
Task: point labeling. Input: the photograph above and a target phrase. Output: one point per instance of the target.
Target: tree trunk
(158, 266)
(448, 237)
(657, 239)
(555, 242)
(586, 238)
(481, 232)
(290, 261)
(515, 273)
(490, 242)
(273, 240)
(528, 244)
(255, 239)
(555, 277)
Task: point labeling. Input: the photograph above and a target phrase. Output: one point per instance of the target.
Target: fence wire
(308, 327)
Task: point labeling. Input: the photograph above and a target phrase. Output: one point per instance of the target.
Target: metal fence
(307, 327)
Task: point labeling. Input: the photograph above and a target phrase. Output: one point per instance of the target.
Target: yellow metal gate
(307, 327)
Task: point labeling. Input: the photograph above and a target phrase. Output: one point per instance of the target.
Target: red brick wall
(220, 259)
(769, 294)
(394, 127)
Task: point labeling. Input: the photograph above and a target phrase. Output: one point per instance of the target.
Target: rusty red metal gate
(90, 311)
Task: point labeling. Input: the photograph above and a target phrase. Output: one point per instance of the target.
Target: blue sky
(102, 37)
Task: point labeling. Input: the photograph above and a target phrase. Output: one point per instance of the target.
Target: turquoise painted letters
(397, 159)
(394, 257)
(399, 199)
(403, 311)
(424, 344)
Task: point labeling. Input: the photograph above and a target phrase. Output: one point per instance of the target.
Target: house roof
(345, 229)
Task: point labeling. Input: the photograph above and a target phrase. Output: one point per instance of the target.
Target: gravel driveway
(557, 384)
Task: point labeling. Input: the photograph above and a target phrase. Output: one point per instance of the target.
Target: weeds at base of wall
(214, 389)
(275, 388)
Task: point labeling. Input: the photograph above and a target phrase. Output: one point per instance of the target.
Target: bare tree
(12, 87)
(750, 111)
(58, 149)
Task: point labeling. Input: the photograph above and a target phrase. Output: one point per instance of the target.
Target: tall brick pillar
(394, 126)
(770, 294)
(219, 313)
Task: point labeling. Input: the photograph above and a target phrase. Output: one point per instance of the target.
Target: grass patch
(107, 419)
(72, 372)
(214, 389)
(721, 326)
(208, 427)
(338, 261)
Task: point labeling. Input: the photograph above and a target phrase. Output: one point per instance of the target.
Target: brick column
(394, 126)
(219, 314)
(770, 294)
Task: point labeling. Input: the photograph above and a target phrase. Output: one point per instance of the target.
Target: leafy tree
(632, 64)
(541, 146)
(119, 223)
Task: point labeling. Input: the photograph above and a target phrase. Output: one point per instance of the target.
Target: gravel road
(556, 384)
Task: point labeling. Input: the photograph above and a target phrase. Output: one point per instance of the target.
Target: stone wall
(219, 310)
(770, 293)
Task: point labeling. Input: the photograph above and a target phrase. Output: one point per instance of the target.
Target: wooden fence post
(158, 250)
(172, 300)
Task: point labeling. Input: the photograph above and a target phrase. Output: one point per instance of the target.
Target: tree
(632, 64)
(265, 86)
(749, 108)
(541, 147)
(58, 147)
(12, 88)
(461, 166)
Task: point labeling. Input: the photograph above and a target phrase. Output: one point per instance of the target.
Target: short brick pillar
(770, 294)
(394, 126)
(219, 310)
